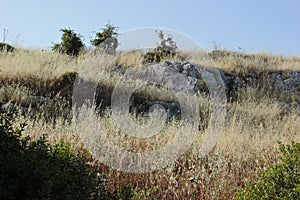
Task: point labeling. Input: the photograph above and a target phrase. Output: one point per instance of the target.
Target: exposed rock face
(38, 107)
(282, 82)
(194, 77)
(285, 83)
(173, 109)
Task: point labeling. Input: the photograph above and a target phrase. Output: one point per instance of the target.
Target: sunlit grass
(247, 142)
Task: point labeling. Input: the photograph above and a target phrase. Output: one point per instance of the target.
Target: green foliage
(38, 170)
(6, 47)
(166, 49)
(107, 39)
(280, 181)
(71, 43)
(145, 193)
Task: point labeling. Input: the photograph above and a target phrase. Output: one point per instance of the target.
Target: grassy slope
(248, 141)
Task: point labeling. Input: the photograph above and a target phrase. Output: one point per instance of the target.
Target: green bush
(107, 39)
(280, 181)
(71, 43)
(38, 170)
(166, 49)
(6, 47)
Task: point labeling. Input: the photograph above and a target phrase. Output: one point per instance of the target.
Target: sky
(248, 26)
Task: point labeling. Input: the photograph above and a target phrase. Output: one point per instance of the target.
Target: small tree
(107, 39)
(71, 43)
(166, 44)
(166, 49)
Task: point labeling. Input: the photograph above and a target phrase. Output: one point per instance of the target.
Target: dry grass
(134, 58)
(248, 140)
(242, 64)
(42, 64)
(48, 64)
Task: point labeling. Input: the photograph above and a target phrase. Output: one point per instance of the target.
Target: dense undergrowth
(279, 181)
(40, 170)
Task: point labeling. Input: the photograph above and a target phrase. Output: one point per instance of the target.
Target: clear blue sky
(253, 25)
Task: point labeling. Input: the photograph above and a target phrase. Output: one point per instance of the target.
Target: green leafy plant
(107, 39)
(71, 43)
(145, 193)
(166, 49)
(280, 181)
(39, 170)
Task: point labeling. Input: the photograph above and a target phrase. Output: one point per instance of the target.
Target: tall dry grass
(40, 63)
(240, 64)
(248, 141)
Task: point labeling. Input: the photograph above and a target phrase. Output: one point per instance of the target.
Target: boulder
(285, 81)
(190, 74)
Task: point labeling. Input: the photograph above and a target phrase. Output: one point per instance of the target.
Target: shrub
(280, 181)
(6, 47)
(38, 170)
(166, 49)
(71, 43)
(107, 39)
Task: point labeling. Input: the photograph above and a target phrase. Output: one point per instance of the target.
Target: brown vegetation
(248, 141)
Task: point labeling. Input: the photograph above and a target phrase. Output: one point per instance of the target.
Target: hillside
(262, 107)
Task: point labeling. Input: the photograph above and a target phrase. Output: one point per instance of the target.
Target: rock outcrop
(281, 83)
(284, 83)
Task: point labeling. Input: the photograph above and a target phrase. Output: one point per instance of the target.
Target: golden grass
(248, 140)
(43, 64)
(50, 64)
(242, 64)
(133, 58)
